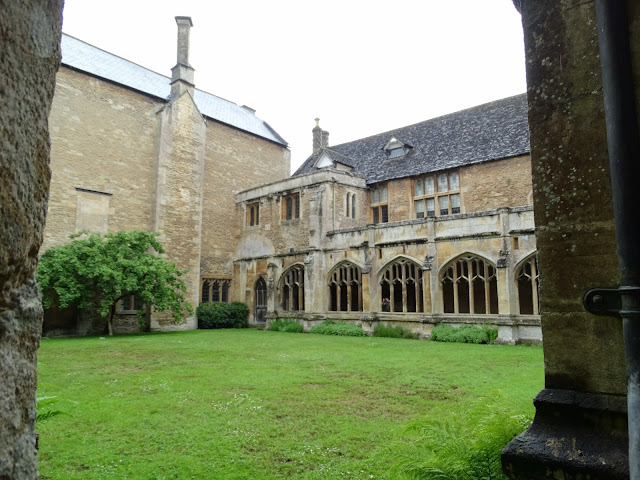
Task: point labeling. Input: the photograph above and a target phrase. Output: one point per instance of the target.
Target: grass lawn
(248, 404)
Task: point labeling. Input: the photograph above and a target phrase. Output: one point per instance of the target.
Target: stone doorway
(260, 291)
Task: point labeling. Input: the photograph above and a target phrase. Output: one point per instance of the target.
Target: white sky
(362, 66)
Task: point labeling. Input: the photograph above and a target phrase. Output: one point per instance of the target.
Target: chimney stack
(320, 137)
(182, 73)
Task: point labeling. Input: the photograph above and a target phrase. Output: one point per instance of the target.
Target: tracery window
(527, 284)
(470, 285)
(401, 287)
(291, 206)
(215, 290)
(345, 289)
(437, 195)
(292, 289)
(350, 210)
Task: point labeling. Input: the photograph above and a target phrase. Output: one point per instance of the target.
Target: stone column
(579, 429)
(30, 58)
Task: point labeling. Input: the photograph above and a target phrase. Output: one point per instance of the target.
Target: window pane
(353, 206)
(454, 181)
(376, 217)
(348, 201)
(252, 216)
(455, 203)
(419, 188)
(444, 205)
(297, 202)
(257, 215)
(376, 197)
(289, 208)
(215, 291)
(385, 213)
(428, 186)
(383, 194)
(420, 209)
(431, 207)
(396, 152)
(442, 182)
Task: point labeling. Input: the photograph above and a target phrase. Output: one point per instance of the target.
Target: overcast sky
(362, 67)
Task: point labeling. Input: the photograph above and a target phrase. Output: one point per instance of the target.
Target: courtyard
(236, 404)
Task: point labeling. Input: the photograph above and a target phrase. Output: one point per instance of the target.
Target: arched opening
(401, 287)
(345, 288)
(527, 285)
(292, 289)
(469, 286)
(260, 298)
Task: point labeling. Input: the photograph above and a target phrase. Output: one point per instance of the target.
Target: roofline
(429, 119)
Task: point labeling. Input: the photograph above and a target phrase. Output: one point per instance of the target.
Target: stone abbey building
(430, 223)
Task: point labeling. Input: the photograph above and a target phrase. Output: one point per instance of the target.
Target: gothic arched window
(401, 287)
(527, 285)
(345, 288)
(292, 288)
(470, 285)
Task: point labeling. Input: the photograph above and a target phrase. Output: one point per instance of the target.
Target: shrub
(465, 446)
(222, 315)
(394, 332)
(286, 325)
(464, 334)
(329, 327)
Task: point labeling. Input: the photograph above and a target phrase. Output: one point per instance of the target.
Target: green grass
(240, 404)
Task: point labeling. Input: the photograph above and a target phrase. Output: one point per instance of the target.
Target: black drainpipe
(624, 164)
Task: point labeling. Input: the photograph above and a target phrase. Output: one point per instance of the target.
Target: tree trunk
(110, 320)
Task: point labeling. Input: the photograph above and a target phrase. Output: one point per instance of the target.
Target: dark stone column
(30, 45)
(580, 428)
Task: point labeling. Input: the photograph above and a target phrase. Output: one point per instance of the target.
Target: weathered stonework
(582, 408)
(324, 237)
(30, 58)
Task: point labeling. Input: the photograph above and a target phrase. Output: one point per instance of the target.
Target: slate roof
(487, 132)
(81, 56)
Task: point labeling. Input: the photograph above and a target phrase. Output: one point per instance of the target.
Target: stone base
(575, 436)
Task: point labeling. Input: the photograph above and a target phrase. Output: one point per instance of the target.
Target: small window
(353, 206)
(291, 207)
(253, 214)
(348, 212)
(516, 243)
(130, 303)
(396, 149)
(396, 152)
(446, 195)
(379, 207)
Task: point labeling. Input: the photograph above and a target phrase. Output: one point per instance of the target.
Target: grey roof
(81, 56)
(487, 132)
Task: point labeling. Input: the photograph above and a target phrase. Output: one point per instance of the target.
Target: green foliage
(100, 270)
(44, 405)
(286, 325)
(222, 315)
(394, 332)
(463, 446)
(343, 329)
(464, 334)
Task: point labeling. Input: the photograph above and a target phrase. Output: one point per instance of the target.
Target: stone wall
(30, 57)
(234, 161)
(102, 140)
(491, 185)
(580, 426)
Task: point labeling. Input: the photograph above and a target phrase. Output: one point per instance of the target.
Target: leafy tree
(100, 270)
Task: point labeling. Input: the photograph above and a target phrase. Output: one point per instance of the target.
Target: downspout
(624, 165)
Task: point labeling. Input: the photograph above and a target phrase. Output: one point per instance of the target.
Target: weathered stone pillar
(30, 46)
(579, 429)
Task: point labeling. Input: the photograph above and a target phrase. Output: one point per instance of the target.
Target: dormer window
(396, 149)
